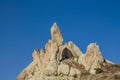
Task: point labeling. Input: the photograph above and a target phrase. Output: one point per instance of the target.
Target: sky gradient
(25, 25)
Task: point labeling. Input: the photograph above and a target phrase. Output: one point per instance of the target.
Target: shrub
(75, 76)
(98, 70)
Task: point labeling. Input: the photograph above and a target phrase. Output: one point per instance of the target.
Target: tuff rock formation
(66, 62)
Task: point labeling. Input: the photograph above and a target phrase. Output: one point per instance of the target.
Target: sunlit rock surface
(67, 62)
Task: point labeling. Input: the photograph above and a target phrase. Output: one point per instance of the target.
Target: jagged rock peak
(93, 46)
(56, 34)
(66, 62)
(94, 56)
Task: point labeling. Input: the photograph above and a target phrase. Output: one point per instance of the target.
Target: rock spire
(67, 62)
(56, 34)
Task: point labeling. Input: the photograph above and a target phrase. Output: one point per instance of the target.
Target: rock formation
(66, 62)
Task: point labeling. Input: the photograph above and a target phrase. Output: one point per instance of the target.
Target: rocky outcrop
(92, 59)
(67, 62)
(56, 34)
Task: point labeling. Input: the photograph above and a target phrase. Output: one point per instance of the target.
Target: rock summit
(67, 62)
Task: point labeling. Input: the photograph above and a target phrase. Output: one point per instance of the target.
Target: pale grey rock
(74, 72)
(93, 57)
(63, 69)
(67, 62)
(51, 69)
(56, 34)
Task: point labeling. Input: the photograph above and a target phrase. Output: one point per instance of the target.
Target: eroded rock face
(93, 58)
(67, 62)
(56, 34)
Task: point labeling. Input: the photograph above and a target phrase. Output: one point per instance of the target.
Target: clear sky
(25, 25)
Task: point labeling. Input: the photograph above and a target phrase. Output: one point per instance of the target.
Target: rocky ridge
(67, 62)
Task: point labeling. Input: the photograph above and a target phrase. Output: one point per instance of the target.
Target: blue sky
(25, 25)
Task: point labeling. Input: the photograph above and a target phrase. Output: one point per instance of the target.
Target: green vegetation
(98, 70)
(75, 76)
